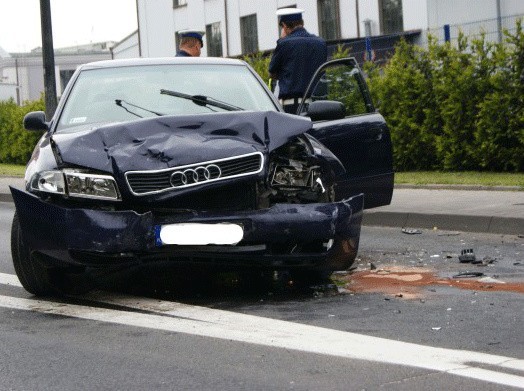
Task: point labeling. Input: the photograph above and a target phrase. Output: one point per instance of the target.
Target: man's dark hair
(293, 24)
(189, 42)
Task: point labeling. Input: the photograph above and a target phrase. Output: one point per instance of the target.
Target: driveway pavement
(456, 208)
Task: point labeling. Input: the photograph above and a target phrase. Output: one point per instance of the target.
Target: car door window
(342, 82)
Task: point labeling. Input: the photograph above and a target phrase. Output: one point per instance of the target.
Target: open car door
(346, 122)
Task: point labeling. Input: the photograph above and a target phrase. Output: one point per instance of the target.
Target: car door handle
(374, 135)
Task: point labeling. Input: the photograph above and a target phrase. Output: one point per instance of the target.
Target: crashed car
(192, 160)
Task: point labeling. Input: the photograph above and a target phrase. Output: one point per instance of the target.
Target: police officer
(296, 58)
(191, 43)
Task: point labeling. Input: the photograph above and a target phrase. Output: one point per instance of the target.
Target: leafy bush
(16, 143)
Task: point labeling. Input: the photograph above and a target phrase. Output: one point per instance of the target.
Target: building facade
(238, 27)
(22, 77)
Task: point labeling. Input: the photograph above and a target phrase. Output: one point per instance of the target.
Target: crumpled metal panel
(170, 141)
(113, 232)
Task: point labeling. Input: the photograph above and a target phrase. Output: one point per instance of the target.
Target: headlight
(76, 184)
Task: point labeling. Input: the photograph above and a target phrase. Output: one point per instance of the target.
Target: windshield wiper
(202, 100)
(119, 103)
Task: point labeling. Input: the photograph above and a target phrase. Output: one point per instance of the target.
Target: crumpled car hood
(171, 141)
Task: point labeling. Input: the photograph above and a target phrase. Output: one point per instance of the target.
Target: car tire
(33, 276)
(38, 279)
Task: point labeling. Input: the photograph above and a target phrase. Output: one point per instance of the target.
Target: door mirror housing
(326, 110)
(35, 121)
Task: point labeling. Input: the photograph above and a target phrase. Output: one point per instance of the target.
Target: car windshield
(128, 93)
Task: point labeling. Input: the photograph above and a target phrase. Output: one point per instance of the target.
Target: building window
(179, 3)
(214, 40)
(328, 19)
(249, 34)
(391, 20)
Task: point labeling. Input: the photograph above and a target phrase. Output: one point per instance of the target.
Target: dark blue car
(192, 160)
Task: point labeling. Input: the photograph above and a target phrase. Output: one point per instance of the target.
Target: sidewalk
(490, 211)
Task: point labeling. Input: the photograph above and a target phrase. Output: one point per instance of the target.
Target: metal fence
(493, 30)
(380, 48)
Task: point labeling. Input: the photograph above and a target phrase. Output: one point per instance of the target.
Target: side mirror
(326, 110)
(35, 120)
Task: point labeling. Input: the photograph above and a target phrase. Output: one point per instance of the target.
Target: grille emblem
(195, 175)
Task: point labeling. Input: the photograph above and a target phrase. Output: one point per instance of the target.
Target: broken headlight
(294, 175)
(75, 183)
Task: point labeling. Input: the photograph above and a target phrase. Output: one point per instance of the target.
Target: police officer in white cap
(191, 43)
(296, 58)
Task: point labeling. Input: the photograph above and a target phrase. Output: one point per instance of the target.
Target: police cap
(192, 34)
(289, 14)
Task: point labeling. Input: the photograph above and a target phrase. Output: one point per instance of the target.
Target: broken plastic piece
(467, 256)
(468, 275)
(411, 231)
(491, 280)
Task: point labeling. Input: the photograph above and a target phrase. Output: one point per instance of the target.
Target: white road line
(9, 279)
(188, 319)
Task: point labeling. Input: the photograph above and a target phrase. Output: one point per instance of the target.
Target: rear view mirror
(326, 110)
(35, 120)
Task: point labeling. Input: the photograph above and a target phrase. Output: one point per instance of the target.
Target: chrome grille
(148, 182)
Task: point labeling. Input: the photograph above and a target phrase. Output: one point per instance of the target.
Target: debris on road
(467, 256)
(487, 261)
(449, 233)
(491, 280)
(411, 231)
(468, 275)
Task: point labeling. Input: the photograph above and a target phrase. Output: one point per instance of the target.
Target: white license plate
(198, 234)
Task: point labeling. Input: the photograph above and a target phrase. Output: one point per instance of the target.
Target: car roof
(162, 61)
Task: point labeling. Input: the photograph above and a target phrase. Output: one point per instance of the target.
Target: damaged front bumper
(317, 236)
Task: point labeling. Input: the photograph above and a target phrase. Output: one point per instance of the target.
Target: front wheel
(38, 279)
(35, 278)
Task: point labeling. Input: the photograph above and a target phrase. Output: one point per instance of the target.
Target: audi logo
(195, 175)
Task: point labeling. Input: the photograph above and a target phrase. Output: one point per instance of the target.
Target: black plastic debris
(467, 256)
(468, 275)
(487, 261)
(448, 234)
(411, 231)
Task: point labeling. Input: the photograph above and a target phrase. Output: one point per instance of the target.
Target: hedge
(16, 143)
(454, 108)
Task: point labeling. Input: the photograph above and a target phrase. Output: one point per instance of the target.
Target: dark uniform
(295, 60)
(182, 53)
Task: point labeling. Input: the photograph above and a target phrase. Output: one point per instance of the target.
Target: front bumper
(283, 236)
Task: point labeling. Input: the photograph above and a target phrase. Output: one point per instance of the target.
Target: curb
(484, 224)
(459, 187)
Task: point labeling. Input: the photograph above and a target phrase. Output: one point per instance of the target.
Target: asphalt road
(373, 328)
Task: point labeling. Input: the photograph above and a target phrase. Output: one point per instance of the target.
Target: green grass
(414, 178)
(11, 170)
(460, 178)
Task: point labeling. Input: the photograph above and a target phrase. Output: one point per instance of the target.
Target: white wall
(441, 12)
(369, 10)
(127, 48)
(157, 32)
(348, 19)
(7, 91)
(511, 7)
(415, 13)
